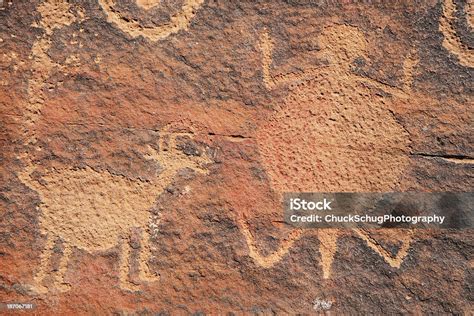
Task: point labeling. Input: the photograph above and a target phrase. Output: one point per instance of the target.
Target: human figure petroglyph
(323, 103)
(96, 210)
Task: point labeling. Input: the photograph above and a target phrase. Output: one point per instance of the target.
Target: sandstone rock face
(146, 146)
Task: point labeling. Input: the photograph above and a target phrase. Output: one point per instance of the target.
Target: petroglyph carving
(322, 104)
(347, 48)
(85, 208)
(96, 210)
(54, 15)
(271, 81)
(179, 21)
(470, 13)
(327, 248)
(409, 65)
(396, 261)
(273, 258)
(451, 40)
(148, 4)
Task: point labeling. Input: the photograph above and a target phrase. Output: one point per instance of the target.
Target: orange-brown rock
(146, 146)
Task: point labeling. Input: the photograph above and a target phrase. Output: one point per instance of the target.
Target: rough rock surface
(145, 146)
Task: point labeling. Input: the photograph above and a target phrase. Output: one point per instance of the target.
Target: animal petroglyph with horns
(96, 210)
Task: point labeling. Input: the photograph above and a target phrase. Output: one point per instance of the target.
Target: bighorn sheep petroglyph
(86, 208)
(96, 210)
